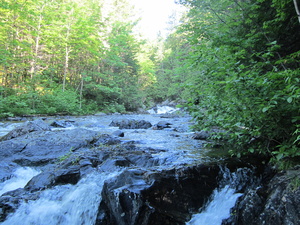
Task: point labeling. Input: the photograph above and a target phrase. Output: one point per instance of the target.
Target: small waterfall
(64, 205)
(225, 197)
(18, 180)
(162, 110)
(218, 209)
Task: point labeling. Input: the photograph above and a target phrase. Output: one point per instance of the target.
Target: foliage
(171, 68)
(39, 102)
(245, 73)
(69, 56)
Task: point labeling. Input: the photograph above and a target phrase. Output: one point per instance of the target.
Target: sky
(155, 16)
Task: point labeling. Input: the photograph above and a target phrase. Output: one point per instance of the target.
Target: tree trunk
(297, 9)
(37, 44)
(66, 67)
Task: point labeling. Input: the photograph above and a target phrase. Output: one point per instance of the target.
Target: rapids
(173, 149)
(18, 179)
(64, 205)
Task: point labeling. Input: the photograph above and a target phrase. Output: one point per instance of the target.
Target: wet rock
(140, 196)
(62, 124)
(202, 135)
(10, 201)
(42, 147)
(50, 179)
(6, 168)
(41, 181)
(118, 133)
(127, 198)
(15, 118)
(162, 125)
(28, 127)
(277, 203)
(131, 124)
(106, 139)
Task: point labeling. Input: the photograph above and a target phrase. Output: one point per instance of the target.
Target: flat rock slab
(26, 128)
(42, 147)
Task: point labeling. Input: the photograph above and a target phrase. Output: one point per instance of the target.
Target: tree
(246, 54)
(84, 48)
(297, 9)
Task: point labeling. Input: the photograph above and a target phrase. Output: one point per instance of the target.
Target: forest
(233, 64)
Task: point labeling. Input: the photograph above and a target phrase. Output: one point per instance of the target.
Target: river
(72, 204)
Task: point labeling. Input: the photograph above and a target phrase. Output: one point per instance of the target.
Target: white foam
(218, 209)
(18, 180)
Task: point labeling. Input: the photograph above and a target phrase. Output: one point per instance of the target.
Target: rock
(106, 139)
(277, 203)
(140, 196)
(118, 133)
(202, 135)
(50, 179)
(62, 124)
(162, 125)
(131, 124)
(28, 127)
(15, 118)
(100, 114)
(10, 201)
(42, 148)
(41, 182)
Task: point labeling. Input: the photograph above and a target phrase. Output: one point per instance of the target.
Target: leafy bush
(247, 79)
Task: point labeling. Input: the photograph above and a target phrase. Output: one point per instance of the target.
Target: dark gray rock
(139, 196)
(162, 125)
(277, 203)
(42, 147)
(57, 177)
(10, 201)
(28, 127)
(202, 135)
(41, 181)
(131, 124)
(118, 133)
(62, 124)
(106, 139)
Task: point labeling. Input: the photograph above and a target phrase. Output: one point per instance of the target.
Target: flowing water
(18, 179)
(65, 204)
(78, 204)
(218, 208)
(224, 198)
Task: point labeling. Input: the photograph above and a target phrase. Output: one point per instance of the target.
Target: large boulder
(277, 203)
(131, 124)
(139, 196)
(42, 147)
(26, 128)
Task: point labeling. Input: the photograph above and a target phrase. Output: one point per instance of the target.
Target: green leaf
(290, 99)
(251, 150)
(265, 109)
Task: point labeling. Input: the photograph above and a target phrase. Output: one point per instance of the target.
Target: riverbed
(146, 176)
